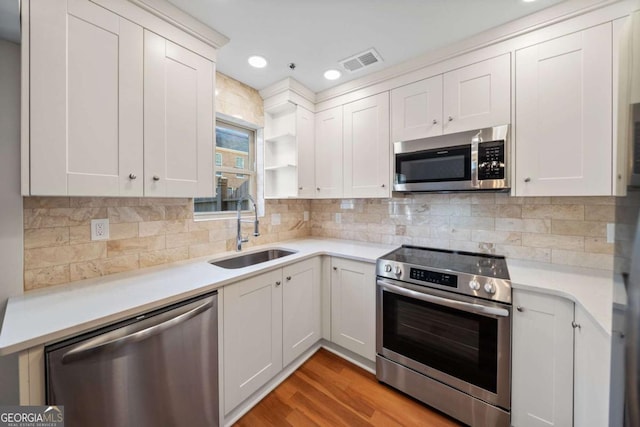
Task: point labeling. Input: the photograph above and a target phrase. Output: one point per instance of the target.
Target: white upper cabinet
(563, 115)
(305, 124)
(542, 361)
(478, 96)
(85, 101)
(328, 153)
(367, 149)
(114, 109)
(178, 120)
(472, 97)
(416, 110)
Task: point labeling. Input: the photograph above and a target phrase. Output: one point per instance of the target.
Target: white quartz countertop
(45, 316)
(49, 315)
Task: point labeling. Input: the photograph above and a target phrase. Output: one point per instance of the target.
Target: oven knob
(474, 285)
(387, 268)
(397, 270)
(490, 287)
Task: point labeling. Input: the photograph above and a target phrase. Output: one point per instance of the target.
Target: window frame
(255, 150)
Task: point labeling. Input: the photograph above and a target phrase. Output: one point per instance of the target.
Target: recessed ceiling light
(257, 61)
(332, 74)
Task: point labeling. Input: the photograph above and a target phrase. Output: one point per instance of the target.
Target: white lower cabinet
(353, 306)
(269, 320)
(252, 335)
(300, 308)
(542, 360)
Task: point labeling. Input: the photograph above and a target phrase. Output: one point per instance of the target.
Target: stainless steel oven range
(443, 331)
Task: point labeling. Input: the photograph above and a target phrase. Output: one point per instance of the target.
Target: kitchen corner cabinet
(114, 109)
(289, 165)
(328, 153)
(563, 115)
(269, 320)
(472, 97)
(353, 306)
(366, 148)
(542, 361)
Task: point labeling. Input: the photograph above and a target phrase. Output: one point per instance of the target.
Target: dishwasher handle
(106, 343)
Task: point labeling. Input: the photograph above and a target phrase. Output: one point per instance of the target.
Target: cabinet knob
(156, 178)
(575, 325)
(520, 308)
(299, 188)
(383, 185)
(132, 176)
(435, 122)
(527, 179)
(288, 278)
(318, 188)
(335, 268)
(450, 118)
(278, 283)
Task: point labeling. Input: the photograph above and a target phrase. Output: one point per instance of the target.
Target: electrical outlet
(275, 219)
(611, 233)
(338, 217)
(100, 229)
(305, 216)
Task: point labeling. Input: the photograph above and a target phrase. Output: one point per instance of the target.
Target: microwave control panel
(491, 160)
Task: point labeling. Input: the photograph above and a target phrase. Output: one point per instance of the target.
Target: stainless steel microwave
(465, 161)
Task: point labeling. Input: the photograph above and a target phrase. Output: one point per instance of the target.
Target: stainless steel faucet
(256, 231)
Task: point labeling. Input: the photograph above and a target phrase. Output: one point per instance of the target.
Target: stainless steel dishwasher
(157, 369)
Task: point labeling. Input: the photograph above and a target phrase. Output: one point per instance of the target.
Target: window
(235, 171)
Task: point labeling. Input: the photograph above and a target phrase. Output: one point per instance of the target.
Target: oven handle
(459, 305)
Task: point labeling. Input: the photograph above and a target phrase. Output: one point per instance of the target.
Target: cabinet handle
(575, 325)
(278, 283)
(288, 278)
(156, 178)
(527, 179)
(435, 122)
(450, 118)
(132, 176)
(520, 308)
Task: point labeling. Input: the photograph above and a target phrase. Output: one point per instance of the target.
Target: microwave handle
(458, 305)
(475, 142)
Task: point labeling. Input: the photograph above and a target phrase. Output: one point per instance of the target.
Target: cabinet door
(366, 147)
(478, 96)
(86, 101)
(563, 116)
(353, 306)
(252, 335)
(305, 135)
(328, 151)
(592, 372)
(542, 361)
(178, 120)
(416, 110)
(300, 308)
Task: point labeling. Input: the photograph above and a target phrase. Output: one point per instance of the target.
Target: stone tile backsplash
(559, 230)
(143, 232)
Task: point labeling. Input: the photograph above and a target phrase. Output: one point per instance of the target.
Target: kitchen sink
(253, 258)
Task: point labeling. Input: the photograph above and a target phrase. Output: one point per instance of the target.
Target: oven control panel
(443, 279)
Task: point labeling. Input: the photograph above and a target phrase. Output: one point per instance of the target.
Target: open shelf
(278, 167)
(281, 138)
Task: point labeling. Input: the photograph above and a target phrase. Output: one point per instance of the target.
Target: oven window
(450, 164)
(458, 343)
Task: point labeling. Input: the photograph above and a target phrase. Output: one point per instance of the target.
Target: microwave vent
(361, 60)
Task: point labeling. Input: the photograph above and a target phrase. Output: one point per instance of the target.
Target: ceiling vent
(361, 60)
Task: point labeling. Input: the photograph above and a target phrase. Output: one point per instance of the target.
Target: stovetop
(479, 275)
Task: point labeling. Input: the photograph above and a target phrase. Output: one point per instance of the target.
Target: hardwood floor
(329, 391)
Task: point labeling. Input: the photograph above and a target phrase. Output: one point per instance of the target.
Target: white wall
(10, 203)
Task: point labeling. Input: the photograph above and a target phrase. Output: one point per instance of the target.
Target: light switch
(275, 219)
(306, 216)
(611, 233)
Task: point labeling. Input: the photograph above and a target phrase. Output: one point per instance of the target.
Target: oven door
(461, 341)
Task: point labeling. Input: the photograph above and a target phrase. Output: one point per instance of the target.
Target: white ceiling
(316, 34)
